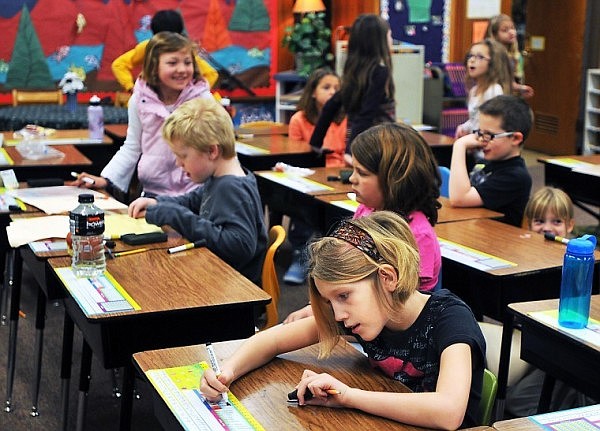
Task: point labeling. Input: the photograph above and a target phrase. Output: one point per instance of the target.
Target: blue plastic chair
(445, 173)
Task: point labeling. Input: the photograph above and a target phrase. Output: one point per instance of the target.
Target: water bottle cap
(94, 100)
(225, 101)
(582, 245)
(86, 198)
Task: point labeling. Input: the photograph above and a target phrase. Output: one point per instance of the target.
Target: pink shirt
(430, 256)
(301, 130)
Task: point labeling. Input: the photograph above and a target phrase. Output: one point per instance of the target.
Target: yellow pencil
(125, 253)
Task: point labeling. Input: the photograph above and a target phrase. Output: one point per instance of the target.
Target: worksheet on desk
(295, 182)
(179, 387)
(471, 257)
(579, 419)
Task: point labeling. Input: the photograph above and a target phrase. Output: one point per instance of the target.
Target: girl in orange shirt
(322, 84)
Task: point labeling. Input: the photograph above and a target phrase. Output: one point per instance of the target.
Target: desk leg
(507, 332)
(40, 323)
(65, 369)
(85, 375)
(127, 397)
(546, 395)
(14, 282)
(5, 288)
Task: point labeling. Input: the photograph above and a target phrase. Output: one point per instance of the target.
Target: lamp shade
(304, 6)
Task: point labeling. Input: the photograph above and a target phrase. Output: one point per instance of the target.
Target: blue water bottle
(576, 284)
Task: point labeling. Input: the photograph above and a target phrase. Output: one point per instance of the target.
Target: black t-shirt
(504, 186)
(413, 356)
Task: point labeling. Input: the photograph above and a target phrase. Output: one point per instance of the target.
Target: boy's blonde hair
(337, 261)
(549, 199)
(200, 123)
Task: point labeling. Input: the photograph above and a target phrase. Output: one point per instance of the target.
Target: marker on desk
(125, 253)
(556, 238)
(188, 246)
(293, 396)
(215, 365)
(87, 180)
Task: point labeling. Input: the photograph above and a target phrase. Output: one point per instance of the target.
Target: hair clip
(358, 237)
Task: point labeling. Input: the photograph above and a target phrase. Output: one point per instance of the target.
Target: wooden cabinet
(591, 131)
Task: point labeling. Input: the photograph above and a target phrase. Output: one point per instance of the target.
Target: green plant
(309, 39)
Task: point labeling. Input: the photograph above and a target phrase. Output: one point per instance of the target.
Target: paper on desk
(60, 199)
(24, 230)
(588, 169)
(28, 229)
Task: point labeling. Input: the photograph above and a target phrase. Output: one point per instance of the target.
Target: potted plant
(309, 39)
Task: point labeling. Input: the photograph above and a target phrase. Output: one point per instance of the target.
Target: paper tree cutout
(215, 35)
(250, 15)
(28, 67)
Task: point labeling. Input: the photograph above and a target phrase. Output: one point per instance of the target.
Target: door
(553, 67)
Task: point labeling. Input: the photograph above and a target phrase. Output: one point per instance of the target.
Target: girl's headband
(358, 237)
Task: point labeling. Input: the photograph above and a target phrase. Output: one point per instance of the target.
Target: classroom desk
(537, 273)
(55, 116)
(99, 151)
(37, 263)
(556, 352)
(117, 132)
(278, 129)
(182, 302)
(446, 213)
(56, 167)
(264, 391)
(283, 199)
(584, 189)
(441, 146)
(572, 419)
(270, 149)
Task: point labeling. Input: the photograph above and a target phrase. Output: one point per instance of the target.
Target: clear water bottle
(86, 223)
(576, 284)
(95, 118)
(226, 103)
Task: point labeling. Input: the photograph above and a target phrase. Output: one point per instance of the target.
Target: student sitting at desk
(226, 213)
(363, 282)
(502, 183)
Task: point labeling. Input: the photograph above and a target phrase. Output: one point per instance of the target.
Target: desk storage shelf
(288, 89)
(591, 137)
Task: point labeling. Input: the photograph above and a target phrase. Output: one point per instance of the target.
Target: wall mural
(43, 39)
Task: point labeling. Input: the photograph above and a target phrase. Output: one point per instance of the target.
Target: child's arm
(258, 350)
(445, 408)
(137, 208)
(462, 194)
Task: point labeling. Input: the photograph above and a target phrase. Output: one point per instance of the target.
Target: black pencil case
(45, 182)
(143, 238)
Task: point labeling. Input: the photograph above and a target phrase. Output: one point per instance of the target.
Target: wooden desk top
(277, 144)
(530, 251)
(75, 134)
(161, 282)
(118, 131)
(72, 157)
(264, 391)
(524, 308)
(269, 130)
(320, 176)
(446, 213)
(437, 139)
(591, 158)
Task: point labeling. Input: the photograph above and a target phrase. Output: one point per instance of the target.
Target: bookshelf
(591, 137)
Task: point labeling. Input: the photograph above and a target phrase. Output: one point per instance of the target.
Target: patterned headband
(358, 237)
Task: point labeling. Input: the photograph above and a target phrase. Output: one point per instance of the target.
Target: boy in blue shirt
(502, 182)
(226, 212)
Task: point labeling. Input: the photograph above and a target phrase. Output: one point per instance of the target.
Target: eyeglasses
(477, 57)
(489, 137)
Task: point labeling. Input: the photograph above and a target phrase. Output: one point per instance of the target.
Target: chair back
(270, 282)
(444, 187)
(23, 97)
(122, 99)
(488, 397)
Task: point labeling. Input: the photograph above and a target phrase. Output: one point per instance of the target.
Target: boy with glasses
(502, 182)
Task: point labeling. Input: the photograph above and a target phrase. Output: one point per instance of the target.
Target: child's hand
(137, 208)
(325, 389)
(299, 314)
(88, 181)
(469, 141)
(213, 387)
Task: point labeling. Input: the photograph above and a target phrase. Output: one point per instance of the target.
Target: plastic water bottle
(86, 223)
(95, 118)
(576, 284)
(226, 103)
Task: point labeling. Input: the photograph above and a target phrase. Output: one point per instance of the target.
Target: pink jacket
(157, 169)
